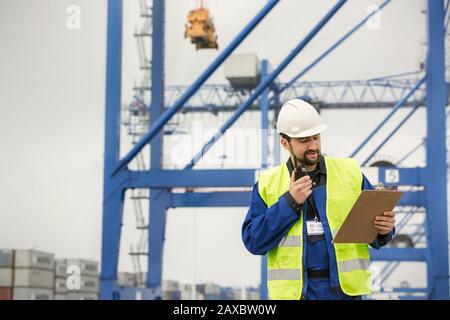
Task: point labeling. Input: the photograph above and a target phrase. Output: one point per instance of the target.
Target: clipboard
(358, 226)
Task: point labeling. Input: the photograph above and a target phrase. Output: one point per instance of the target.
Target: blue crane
(420, 88)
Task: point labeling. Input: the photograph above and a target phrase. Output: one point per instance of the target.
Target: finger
(389, 213)
(303, 193)
(303, 179)
(386, 224)
(302, 185)
(392, 223)
(383, 222)
(303, 182)
(383, 226)
(293, 177)
(381, 218)
(384, 229)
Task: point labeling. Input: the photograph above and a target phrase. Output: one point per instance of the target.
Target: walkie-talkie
(300, 171)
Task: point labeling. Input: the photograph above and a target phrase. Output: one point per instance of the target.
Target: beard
(308, 161)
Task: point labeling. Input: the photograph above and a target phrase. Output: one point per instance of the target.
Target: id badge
(314, 228)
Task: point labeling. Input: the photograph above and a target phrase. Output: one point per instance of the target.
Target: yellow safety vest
(285, 265)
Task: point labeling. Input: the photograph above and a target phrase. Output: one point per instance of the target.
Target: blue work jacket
(263, 228)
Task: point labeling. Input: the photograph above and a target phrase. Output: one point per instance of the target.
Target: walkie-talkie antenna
(297, 164)
(293, 158)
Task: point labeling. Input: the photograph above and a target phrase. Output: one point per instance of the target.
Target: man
(296, 209)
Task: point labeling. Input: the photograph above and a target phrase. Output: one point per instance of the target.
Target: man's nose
(312, 146)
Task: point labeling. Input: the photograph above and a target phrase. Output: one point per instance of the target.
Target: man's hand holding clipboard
(371, 215)
(385, 223)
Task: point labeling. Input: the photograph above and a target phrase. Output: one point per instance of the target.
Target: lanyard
(313, 208)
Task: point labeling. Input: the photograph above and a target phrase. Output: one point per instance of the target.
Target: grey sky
(52, 115)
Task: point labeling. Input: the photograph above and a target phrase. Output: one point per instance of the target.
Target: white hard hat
(299, 119)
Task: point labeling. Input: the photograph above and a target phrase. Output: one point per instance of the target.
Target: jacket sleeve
(263, 227)
(381, 240)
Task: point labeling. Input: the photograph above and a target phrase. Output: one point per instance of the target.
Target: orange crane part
(200, 29)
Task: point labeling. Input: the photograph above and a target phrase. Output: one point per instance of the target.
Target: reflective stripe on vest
(285, 265)
(284, 274)
(355, 264)
(290, 241)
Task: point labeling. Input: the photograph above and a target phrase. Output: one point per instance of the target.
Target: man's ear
(284, 143)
